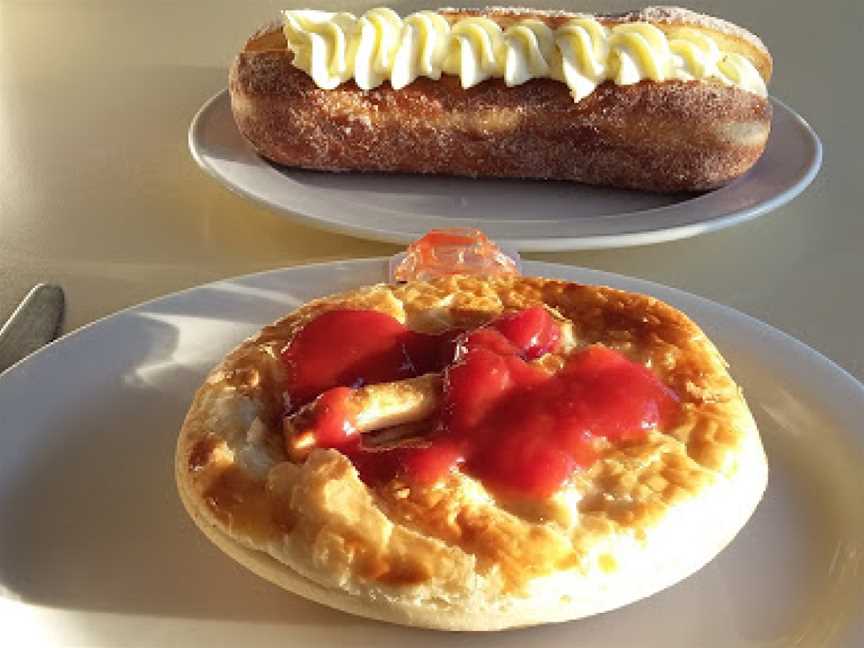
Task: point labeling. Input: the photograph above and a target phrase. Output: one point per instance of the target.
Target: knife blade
(34, 323)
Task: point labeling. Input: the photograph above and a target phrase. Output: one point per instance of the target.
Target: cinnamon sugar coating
(665, 136)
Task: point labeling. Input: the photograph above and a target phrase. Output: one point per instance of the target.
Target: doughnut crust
(452, 555)
(661, 136)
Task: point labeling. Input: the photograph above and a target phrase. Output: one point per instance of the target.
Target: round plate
(530, 215)
(96, 549)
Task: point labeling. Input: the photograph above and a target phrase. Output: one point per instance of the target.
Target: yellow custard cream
(380, 46)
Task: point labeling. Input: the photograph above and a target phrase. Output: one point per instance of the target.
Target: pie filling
(502, 415)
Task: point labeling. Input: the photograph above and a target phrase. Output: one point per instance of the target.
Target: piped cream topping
(379, 46)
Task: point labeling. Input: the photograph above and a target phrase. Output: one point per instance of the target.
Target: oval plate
(530, 215)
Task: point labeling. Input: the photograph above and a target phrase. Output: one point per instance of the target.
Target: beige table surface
(98, 191)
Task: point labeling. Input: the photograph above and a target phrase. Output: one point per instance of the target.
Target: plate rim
(528, 265)
(221, 101)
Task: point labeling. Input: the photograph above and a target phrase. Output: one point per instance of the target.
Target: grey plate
(530, 215)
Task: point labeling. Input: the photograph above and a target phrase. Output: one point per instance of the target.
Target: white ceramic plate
(530, 215)
(96, 550)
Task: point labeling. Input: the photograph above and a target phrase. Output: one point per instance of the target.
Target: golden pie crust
(453, 555)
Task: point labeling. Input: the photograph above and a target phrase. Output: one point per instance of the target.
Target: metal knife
(35, 322)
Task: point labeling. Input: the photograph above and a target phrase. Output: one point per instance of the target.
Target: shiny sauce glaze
(352, 348)
(514, 425)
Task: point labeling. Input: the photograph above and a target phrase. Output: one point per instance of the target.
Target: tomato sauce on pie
(515, 425)
(352, 348)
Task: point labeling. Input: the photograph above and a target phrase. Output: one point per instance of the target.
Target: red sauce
(532, 331)
(511, 424)
(527, 430)
(334, 423)
(350, 348)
